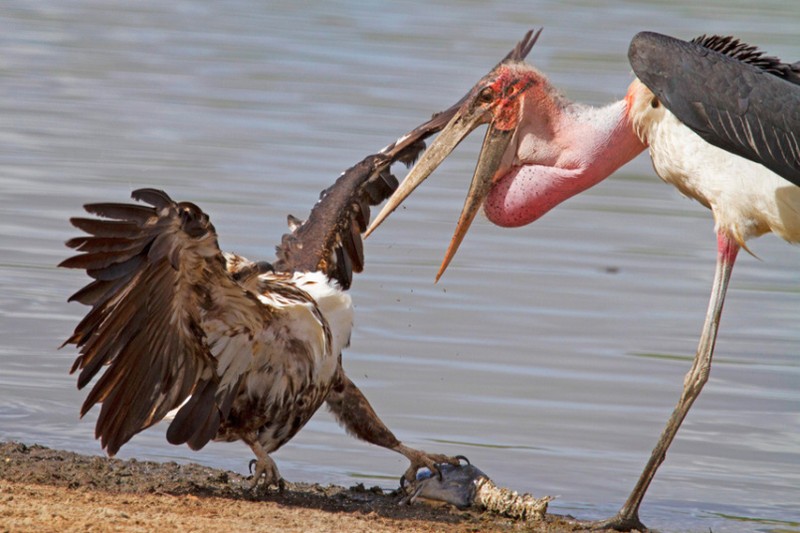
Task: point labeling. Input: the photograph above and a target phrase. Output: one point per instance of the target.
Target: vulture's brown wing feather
(330, 239)
(161, 290)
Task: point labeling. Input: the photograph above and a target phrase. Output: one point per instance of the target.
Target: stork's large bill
(479, 107)
(495, 142)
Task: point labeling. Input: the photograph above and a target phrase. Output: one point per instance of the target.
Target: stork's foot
(615, 523)
(266, 475)
(420, 459)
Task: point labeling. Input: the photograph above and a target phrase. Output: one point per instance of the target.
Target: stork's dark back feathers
(747, 53)
(729, 93)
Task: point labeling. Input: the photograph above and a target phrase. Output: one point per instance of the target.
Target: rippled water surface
(550, 355)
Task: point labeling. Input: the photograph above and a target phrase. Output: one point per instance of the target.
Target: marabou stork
(241, 350)
(721, 121)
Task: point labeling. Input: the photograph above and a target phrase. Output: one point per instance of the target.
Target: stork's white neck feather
(746, 198)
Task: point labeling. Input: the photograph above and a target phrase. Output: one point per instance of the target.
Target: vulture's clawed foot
(266, 475)
(420, 459)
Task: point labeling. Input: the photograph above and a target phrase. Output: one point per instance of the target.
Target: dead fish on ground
(466, 486)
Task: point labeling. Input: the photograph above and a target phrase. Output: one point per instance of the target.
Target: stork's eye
(486, 95)
(654, 103)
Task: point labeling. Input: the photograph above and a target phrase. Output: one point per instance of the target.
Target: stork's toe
(615, 523)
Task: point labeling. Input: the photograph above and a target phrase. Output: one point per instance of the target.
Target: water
(550, 355)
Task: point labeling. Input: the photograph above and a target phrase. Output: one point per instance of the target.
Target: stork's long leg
(352, 409)
(628, 516)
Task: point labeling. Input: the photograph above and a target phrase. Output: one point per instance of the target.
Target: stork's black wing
(330, 239)
(729, 93)
(167, 320)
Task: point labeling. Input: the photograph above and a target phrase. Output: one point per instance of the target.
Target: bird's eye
(654, 103)
(486, 95)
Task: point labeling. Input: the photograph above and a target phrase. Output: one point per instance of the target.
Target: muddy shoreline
(42, 489)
